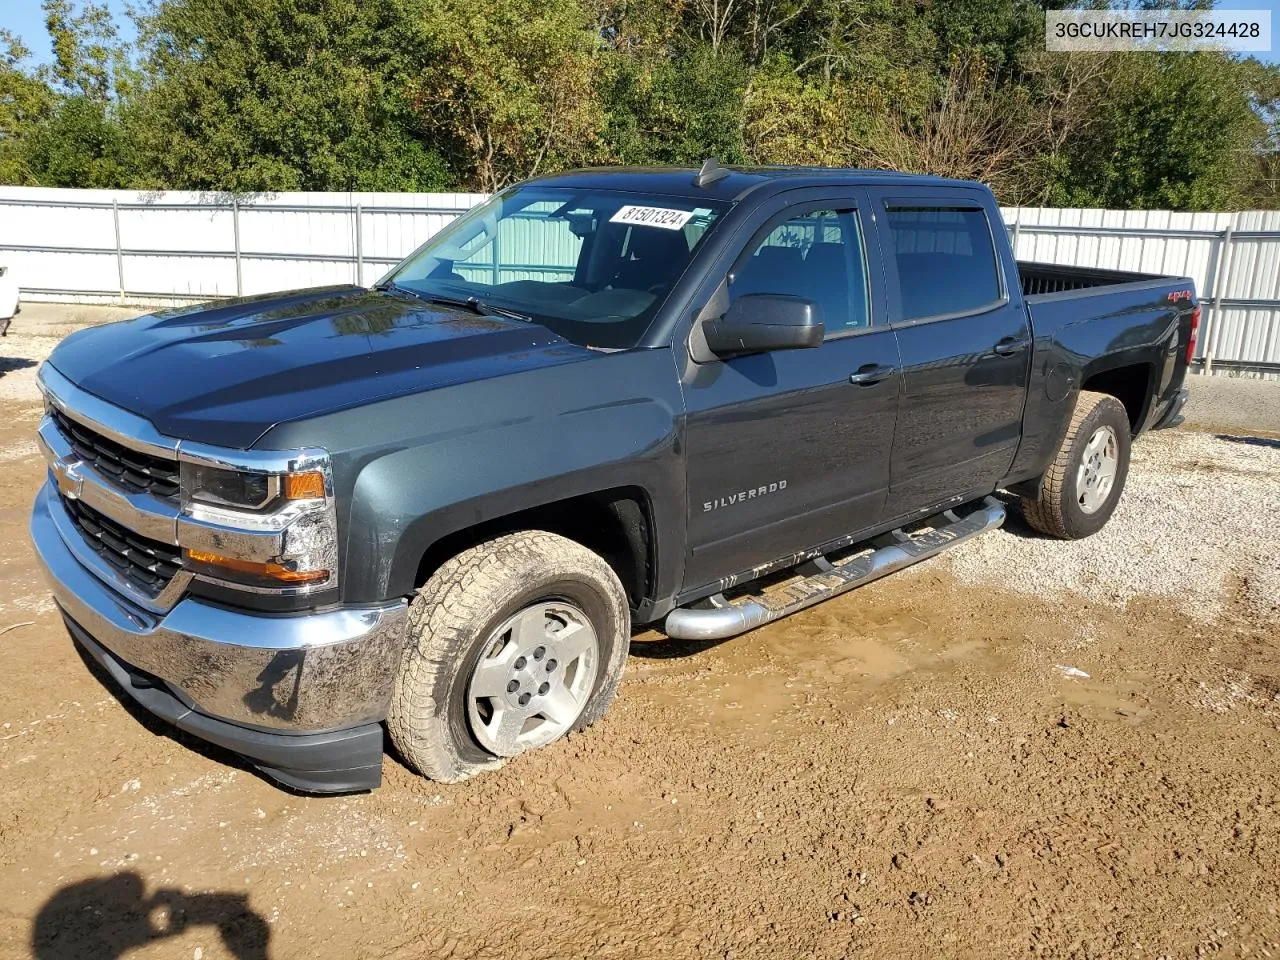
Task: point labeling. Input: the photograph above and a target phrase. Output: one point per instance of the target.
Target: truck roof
(735, 182)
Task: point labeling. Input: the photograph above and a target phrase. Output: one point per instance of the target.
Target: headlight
(228, 488)
(262, 521)
(247, 489)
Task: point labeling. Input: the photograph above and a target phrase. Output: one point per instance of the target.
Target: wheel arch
(616, 523)
(1133, 384)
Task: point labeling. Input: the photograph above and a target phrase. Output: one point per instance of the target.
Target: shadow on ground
(160, 728)
(107, 917)
(1015, 519)
(9, 364)
(662, 647)
(1251, 441)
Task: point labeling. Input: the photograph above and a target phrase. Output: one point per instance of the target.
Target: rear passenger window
(946, 260)
(816, 255)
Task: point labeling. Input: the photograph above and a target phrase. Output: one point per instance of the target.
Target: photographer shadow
(105, 918)
(9, 364)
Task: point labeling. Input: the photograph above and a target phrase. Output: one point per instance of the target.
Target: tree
(25, 103)
(258, 96)
(510, 88)
(59, 127)
(88, 57)
(80, 144)
(67, 132)
(264, 95)
(1263, 180)
(792, 119)
(1168, 131)
(974, 130)
(1002, 32)
(679, 108)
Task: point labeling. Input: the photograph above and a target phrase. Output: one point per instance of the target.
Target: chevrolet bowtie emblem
(68, 478)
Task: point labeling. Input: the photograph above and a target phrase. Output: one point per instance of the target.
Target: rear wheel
(1082, 487)
(512, 644)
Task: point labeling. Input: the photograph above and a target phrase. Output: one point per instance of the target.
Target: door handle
(871, 373)
(1009, 346)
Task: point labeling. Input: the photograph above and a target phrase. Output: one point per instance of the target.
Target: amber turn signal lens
(304, 486)
(250, 568)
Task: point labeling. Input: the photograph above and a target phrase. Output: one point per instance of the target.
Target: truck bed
(1041, 281)
(1122, 321)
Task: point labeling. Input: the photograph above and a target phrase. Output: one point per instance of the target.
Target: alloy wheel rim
(533, 678)
(1096, 475)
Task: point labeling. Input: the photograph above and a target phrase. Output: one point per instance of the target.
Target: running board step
(824, 580)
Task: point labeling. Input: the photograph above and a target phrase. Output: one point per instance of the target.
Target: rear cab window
(945, 258)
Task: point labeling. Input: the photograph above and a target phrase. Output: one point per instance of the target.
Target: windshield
(593, 266)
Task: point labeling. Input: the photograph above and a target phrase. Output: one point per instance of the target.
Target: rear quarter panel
(1086, 332)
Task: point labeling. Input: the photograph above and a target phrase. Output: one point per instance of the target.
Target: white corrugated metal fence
(113, 245)
(1234, 259)
(125, 246)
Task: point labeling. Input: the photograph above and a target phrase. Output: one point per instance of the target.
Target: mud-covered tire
(1058, 511)
(451, 624)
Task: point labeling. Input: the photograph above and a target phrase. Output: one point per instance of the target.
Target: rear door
(785, 450)
(964, 341)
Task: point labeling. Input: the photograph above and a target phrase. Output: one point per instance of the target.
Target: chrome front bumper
(298, 674)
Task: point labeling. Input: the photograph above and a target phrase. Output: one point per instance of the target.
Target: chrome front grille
(147, 564)
(131, 470)
(113, 493)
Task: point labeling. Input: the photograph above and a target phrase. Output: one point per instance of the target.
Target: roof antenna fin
(711, 172)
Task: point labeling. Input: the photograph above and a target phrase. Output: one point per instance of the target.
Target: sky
(25, 18)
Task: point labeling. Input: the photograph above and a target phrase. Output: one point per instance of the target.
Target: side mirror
(759, 322)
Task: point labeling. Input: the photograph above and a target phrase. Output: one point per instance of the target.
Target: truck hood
(224, 374)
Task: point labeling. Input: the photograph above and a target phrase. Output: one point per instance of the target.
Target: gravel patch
(1234, 404)
(1196, 524)
(19, 359)
(19, 450)
(59, 319)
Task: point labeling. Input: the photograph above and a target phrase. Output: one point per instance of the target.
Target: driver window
(817, 255)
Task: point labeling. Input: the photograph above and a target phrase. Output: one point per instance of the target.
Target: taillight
(1195, 328)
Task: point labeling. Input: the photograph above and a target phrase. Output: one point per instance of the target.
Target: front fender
(465, 481)
(417, 469)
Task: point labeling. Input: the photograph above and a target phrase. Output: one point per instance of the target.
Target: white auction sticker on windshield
(663, 217)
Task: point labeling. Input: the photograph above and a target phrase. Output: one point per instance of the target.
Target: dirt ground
(928, 767)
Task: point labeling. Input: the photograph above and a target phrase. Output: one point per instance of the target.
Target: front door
(965, 344)
(788, 450)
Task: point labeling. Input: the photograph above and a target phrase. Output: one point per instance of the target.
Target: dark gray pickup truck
(699, 399)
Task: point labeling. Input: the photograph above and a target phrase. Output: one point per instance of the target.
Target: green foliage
(1262, 176)
(1177, 133)
(25, 104)
(87, 55)
(795, 119)
(79, 145)
(508, 88)
(416, 95)
(258, 96)
(1002, 32)
(679, 109)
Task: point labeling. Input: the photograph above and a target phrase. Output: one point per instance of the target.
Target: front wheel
(511, 645)
(1082, 487)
